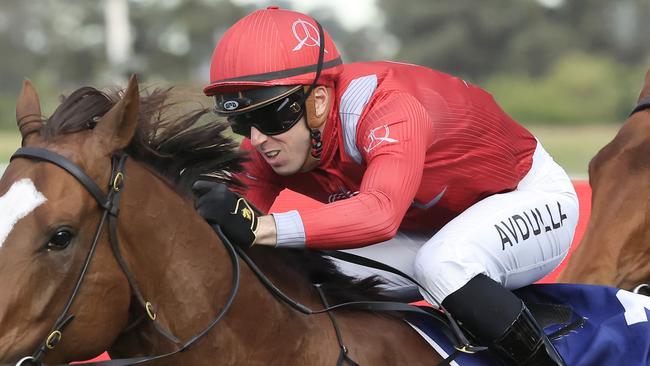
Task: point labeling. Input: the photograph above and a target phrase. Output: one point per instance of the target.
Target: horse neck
(182, 267)
(614, 249)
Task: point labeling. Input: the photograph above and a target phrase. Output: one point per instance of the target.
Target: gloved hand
(220, 206)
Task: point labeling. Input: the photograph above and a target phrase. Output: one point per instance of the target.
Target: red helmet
(271, 47)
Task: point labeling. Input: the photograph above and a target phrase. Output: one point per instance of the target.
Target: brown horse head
(615, 248)
(48, 220)
(48, 223)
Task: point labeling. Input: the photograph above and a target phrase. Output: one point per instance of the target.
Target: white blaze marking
(21, 199)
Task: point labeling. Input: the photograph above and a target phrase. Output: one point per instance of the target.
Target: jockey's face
(285, 152)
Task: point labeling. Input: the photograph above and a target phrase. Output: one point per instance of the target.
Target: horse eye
(60, 240)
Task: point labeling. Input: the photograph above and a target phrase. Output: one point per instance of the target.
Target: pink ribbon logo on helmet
(306, 34)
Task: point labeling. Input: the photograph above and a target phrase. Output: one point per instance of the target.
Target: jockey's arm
(392, 139)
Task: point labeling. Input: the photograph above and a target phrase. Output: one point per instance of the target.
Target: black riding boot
(501, 321)
(525, 343)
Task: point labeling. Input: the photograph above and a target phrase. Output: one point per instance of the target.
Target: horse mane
(181, 148)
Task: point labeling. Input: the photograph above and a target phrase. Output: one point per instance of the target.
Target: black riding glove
(220, 206)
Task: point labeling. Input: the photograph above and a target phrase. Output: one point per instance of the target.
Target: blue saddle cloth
(609, 326)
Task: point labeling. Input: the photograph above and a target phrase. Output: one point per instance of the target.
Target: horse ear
(28, 114)
(645, 92)
(117, 127)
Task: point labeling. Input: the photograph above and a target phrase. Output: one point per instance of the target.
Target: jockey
(420, 170)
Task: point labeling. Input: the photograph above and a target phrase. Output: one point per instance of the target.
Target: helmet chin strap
(316, 144)
(313, 122)
(313, 155)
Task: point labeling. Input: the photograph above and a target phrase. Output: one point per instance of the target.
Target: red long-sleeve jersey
(404, 147)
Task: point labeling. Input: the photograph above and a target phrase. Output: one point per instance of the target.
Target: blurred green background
(569, 70)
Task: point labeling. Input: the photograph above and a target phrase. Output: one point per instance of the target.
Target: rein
(448, 325)
(109, 204)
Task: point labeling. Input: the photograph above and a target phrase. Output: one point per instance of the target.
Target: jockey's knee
(443, 268)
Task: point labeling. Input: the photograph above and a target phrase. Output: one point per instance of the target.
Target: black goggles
(273, 119)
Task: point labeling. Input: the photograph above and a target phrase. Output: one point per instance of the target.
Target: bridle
(109, 203)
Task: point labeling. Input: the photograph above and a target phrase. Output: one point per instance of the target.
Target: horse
(101, 249)
(614, 249)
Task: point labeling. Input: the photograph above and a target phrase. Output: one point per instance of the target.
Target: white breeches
(515, 238)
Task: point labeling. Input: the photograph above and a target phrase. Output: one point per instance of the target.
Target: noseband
(109, 204)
